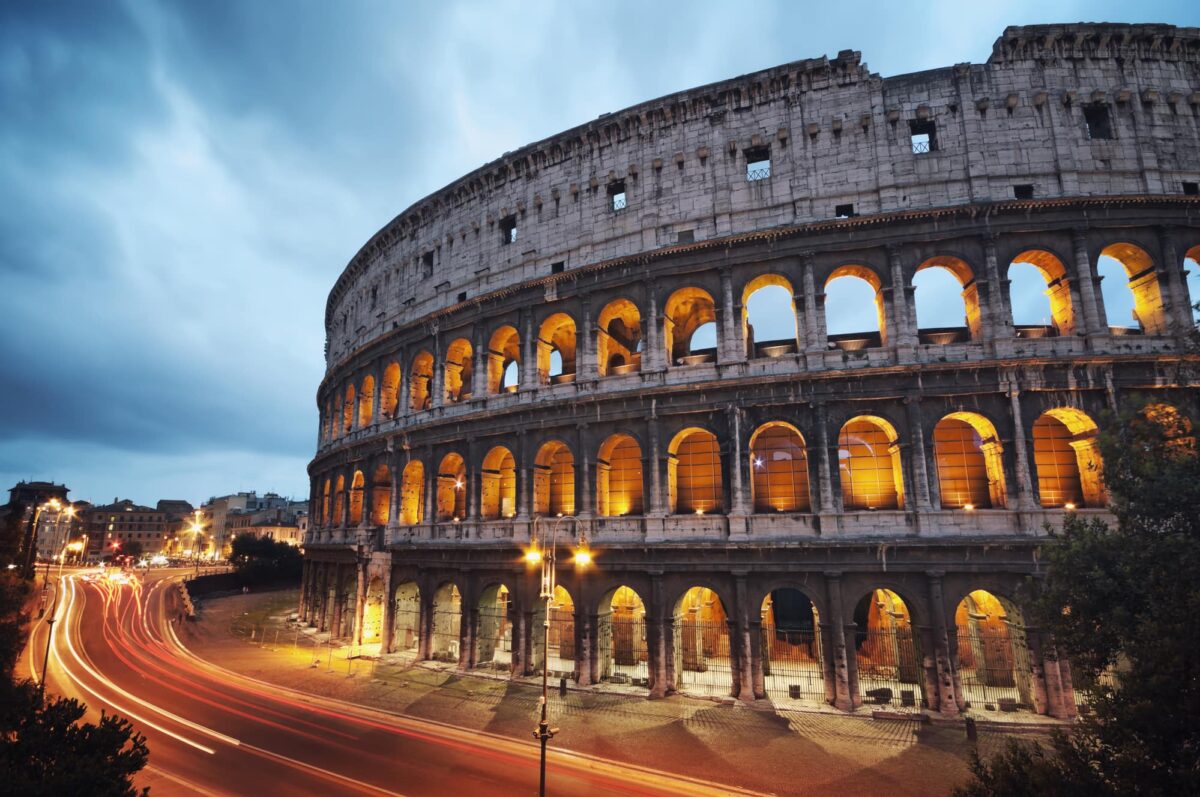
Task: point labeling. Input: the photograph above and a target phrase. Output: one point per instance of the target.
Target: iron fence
(889, 668)
(702, 657)
(793, 665)
(622, 648)
(993, 667)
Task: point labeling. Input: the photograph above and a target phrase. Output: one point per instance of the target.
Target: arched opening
(366, 402)
(348, 411)
(372, 619)
(499, 484)
(779, 469)
(792, 659)
(1066, 456)
(504, 359)
(869, 465)
(446, 624)
(325, 504)
(356, 498)
(701, 628)
(621, 638)
(412, 493)
(493, 640)
(848, 291)
(339, 502)
(969, 460)
(1040, 296)
(459, 366)
(554, 480)
(418, 381)
(685, 313)
(556, 337)
(619, 477)
(452, 489)
(694, 479)
(381, 496)
(336, 424)
(389, 390)
(561, 634)
(947, 301)
(406, 624)
(619, 340)
(327, 422)
(1131, 291)
(886, 651)
(992, 657)
(769, 317)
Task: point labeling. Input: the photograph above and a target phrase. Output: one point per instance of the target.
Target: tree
(262, 560)
(1123, 604)
(133, 548)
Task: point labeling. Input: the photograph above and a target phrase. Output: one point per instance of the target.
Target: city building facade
(111, 528)
(846, 518)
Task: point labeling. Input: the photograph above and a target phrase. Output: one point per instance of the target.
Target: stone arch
(619, 339)
(452, 488)
(622, 652)
(339, 501)
(964, 275)
(498, 478)
(769, 316)
(779, 469)
(381, 495)
(869, 464)
(504, 350)
(559, 635)
(556, 336)
(686, 311)
(554, 480)
(494, 630)
(335, 425)
(356, 498)
(694, 477)
(366, 402)
(419, 379)
(446, 623)
(389, 391)
(371, 630)
(412, 493)
(619, 477)
(348, 411)
(969, 460)
(887, 650)
(991, 654)
(406, 621)
(859, 338)
(1066, 456)
(459, 364)
(703, 655)
(327, 422)
(1143, 283)
(325, 504)
(1060, 307)
(793, 659)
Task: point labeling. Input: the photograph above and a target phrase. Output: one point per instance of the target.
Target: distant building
(226, 516)
(24, 497)
(112, 527)
(56, 528)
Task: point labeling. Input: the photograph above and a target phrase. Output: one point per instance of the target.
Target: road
(214, 732)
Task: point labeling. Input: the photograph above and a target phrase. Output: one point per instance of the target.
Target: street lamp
(546, 555)
(69, 511)
(31, 537)
(196, 532)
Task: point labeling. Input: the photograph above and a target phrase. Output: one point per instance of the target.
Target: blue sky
(183, 182)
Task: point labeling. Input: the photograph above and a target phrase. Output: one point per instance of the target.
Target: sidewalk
(771, 750)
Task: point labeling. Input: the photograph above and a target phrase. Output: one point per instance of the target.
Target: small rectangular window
(685, 237)
(462, 296)
(1099, 124)
(508, 230)
(427, 264)
(1023, 191)
(922, 136)
(616, 195)
(1191, 189)
(844, 211)
(557, 268)
(758, 163)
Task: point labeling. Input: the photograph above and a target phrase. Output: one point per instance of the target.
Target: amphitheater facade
(561, 345)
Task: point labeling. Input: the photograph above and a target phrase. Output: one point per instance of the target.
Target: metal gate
(793, 665)
(702, 664)
(406, 633)
(993, 667)
(494, 635)
(622, 641)
(562, 640)
(889, 667)
(444, 642)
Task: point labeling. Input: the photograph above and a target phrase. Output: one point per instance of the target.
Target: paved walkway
(772, 750)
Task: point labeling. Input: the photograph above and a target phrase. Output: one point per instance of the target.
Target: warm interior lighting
(969, 507)
(699, 511)
(533, 555)
(1070, 507)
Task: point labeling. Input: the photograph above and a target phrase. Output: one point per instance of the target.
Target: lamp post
(69, 511)
(547, 557)
(196, 532)
(31, 537)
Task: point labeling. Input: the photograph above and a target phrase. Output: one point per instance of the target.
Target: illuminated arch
(887, 650)
(504, 350)
(621, 634)
(969, 461)
(964, 275)
(619, 340)
(694, 477)
(793, 660)
(702, 645)
(381, 496)
(779, 469)
(561, 636)
(1066, 457)
(556, 337)
(366, 402)
(452, 488)
(389, 390)
(459, 367)
(356, 498)
(992, 658)
(372, 616)
(348, 411)
(446, 623)
(339, 502)
(1142, 282)
(412, 493)
(769, 316)
(619, 477)
(406, 625)
(335, 425)
(554, 480)
(834, 308)
(493, 633)
(327, 422)
(686, 311)
(1058, 292)
(869, 465)
(499, 484)
(419, 379)
(325, 504)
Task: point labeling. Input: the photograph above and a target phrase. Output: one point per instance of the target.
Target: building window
(462, 296)
(685, 237)
(427, 264)
(1023, 191)
(508, 230)
(922, 136)
(758, 163)
(1191, 189)
(557, 268)
(844, 211)
(1099, 123)
(616, 195)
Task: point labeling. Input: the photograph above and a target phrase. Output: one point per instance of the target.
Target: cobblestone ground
(770, 750)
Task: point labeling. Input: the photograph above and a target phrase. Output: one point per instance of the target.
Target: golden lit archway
(459, 367)
(765, 300)
(419, 379)
(1066, 456)
(554, 480)
(619, 339)
(619, 477)
(1143, 284)
(412, 493)
(965, 276)
(504, 350)
(779, 469)
(366, 402)
(694, 479)
(356, 498)
(389, 390)
(687, 310)
(348, 411)
(869, 465)
(452, 488)
(1062, 313)
(833, 308)
(969, 460)
(339, 502)
(499, 484)
(381, 496)
(556, 349)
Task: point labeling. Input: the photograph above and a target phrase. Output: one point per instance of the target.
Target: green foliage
(1125, 601)
(261, 560)
(12, 534)
(14, 593)
(132, 548)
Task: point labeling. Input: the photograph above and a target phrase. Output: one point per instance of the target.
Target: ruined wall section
(837, 135)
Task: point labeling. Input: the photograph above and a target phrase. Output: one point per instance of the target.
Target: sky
(182, 183)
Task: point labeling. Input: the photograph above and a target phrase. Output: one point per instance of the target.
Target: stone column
(747, 655)
(583, 468)
(1037, 671)
(828, 504)
(437, 386)
(587, 663)
(1026, 500)
(903, 318)
(1093, 322)
(814, 321)
(404, 398)
(430, 487)
(998, 323)
(842, 696)
(738, 505)
(388, 632)
(659, 642)
(376, 387)
(658, 502)
(1178, 312)
(920, 471)
(946, 698)
(396, 474)
(586, 367)
(524, 476)
(335, 621)
(653, 356)
(479, 376)
(468, 622)
(529, 373)
(360, 600)
(732, 345)
(425, 621)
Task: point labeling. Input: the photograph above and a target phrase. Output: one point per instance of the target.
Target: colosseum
(687, 338)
